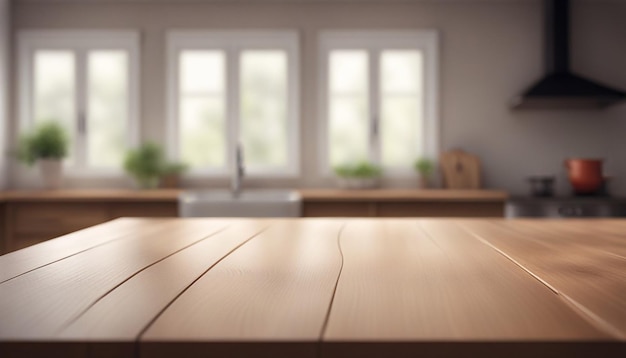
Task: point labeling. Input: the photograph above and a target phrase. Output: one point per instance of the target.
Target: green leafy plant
(359, 170)
(425, 167)
(48, 141)
(146, 164)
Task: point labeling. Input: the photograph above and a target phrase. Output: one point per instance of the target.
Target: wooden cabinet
(402, 209)
(338, 209)
(28, 223)
(146, 209)
(403, 203)
(440, 209)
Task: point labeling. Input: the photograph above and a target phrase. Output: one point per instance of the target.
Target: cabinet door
(144, 209)
(441, 209)
(338, 209)
(35, 222)
(3, 230)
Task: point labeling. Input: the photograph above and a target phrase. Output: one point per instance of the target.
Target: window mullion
(374, 106)
(233, 56)
(82, 88)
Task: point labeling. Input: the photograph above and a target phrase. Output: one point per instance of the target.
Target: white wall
(490, 51)
(4, 85)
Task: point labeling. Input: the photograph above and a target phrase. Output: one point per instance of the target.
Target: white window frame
(80, 42)
(233, 43)
(374, 42)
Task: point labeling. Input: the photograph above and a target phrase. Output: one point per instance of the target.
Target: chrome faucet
(238, 172)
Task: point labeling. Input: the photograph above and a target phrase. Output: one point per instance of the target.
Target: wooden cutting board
(461, 170)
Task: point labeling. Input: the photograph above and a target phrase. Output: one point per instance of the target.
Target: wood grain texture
(409, 281)
(319, 288)
(122, 314)
(461, 170)
(585, 268)
(275, 288)
(37, 304)
(19, 262)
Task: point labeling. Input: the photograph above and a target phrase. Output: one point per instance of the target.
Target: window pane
(264, 107)
(202, 71)
(201, 130)
(348, 130)
(348, 107)
(401, 71)
(54, 84)
(401, 107)
(401, 130)
(107, 108)
(348, 71)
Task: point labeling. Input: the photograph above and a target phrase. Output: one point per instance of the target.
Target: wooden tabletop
(319, 288)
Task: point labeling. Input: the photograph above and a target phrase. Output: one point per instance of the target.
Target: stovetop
(566, 206)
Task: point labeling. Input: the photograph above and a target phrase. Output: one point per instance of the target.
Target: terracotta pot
(51, 171)
(585, 175)
(170, 181)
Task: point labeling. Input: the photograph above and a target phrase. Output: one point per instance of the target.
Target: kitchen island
(319, 288)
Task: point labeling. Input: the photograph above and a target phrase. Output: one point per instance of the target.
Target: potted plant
(145, 164)
(170, 174)
(425, 168)
(362, 175)
(46, 146)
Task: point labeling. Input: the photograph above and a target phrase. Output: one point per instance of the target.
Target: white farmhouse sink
(249, 203)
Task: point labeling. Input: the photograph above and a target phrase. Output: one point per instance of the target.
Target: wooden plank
(36, 305)
(270, 296)
(121, 315)
(19, 262)
(585, 268)
(429, 282)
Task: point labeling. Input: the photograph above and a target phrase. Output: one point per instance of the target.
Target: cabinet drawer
(54, 219)
(148, 209)
(439, 209)
(338, 209)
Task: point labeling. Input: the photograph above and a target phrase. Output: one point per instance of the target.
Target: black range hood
(561, 89)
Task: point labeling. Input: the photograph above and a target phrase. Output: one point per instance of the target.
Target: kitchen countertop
(403, 195)
(307, 195)
(90, 195)
(319, 288)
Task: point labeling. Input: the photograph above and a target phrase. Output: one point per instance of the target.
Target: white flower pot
(51, 171)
